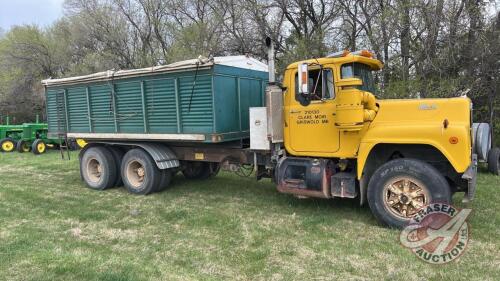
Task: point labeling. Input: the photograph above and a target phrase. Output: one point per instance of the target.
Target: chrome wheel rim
(405, 196)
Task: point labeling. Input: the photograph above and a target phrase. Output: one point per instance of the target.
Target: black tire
(166, 178)
(430, 180)
(23, 146)
(7, 145)
(72, 145)
(118, 154)
(197, 170)
(38, 147)
(494, 161)
(139, 172)
(214, 169)
(94, 159)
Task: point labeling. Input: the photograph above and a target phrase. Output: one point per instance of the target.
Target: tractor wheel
(7, 145)
(399, 188)
(494, 161)
(139, 172)
(38, 147)
(23, 146)
(200, 170)
(98, 168)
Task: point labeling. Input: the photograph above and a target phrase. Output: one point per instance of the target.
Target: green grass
(54, 228)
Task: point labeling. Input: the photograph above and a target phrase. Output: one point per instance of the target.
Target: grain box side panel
(245, 101)
(256, 97)
(51, 106)
(196, 104)
(161, 109)
(251, 96)
(78, 119)
(101, 108)
(226, 97)
(129, 107)
(249, 92)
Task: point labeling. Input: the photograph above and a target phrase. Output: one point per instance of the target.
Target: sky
(18, 12)
(45, 12)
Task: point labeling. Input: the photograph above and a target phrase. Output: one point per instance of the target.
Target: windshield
(361, 71)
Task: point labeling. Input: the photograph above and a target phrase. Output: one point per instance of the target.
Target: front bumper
(470, 175)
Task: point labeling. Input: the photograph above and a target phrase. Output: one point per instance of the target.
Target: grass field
(54, 228)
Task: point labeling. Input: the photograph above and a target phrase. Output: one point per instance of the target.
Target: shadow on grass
(263, 195)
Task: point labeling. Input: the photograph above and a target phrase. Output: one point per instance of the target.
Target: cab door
(312, 126)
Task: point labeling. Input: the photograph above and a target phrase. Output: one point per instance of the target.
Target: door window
(320, 85)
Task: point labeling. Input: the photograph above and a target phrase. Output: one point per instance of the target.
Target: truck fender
(365, 169)
(164, 157)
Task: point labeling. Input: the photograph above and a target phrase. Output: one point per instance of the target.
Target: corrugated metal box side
(215, 106)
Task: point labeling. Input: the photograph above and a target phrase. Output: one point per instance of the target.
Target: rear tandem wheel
(98, 168)
(139, 172)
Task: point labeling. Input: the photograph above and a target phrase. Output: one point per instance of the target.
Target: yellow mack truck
(321, 132)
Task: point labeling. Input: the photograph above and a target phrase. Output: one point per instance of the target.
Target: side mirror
(303, 80)
(349, 82)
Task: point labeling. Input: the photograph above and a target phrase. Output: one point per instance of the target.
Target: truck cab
(337, 107)
(340, 140)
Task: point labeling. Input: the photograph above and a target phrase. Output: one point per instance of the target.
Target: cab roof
(373, 63)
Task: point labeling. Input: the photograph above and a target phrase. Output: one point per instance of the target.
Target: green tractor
(26, 137)
(9, 135)
(34, 138)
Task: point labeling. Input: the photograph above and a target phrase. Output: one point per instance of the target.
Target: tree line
(430, 48)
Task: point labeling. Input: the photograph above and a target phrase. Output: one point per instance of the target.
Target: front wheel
(7, 145)
(399, 188)
(38, 147)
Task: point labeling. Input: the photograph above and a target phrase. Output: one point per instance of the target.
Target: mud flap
(470, 175)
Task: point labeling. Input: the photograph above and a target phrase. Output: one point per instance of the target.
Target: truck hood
(444, 124)
(456, 110)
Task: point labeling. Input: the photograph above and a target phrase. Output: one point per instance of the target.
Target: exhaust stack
(274, 100)
(270, 59)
